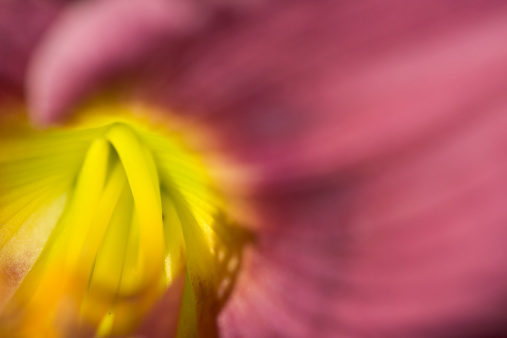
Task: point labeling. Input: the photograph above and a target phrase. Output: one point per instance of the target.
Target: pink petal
(22, 23)
(308, 89)
(95, 41)
(162, 321)
(413, 248)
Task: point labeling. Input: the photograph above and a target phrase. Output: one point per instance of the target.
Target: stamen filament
(146, 198)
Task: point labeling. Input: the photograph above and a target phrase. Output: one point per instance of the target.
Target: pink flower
(366, 139)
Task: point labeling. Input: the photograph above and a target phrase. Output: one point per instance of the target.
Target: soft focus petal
(32, 198)
(22, 23)
(309, 89)
(97, 40)
(367, 255)
(405, 245)
(162, 320)
(414, 248)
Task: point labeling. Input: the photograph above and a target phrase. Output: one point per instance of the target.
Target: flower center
(98, 219)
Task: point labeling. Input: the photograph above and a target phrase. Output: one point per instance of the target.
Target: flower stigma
(99, 217)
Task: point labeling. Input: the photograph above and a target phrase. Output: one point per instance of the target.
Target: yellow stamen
(114, 211)
(142, 180)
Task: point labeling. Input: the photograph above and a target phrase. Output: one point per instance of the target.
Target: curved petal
(162, 320)
(97, 40)
(18, 38)
(414, 248)
(341, 83)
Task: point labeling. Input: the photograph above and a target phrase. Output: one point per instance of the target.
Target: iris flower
(253, 169)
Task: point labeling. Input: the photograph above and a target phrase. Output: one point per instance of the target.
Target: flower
(366, 138)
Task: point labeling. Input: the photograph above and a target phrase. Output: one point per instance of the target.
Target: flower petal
(413, 248)
(32, 197)
(18, 38)
(308, 89)
(162, 320)
(97, 40)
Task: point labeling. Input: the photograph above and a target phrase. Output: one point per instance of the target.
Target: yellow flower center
(98, 218)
